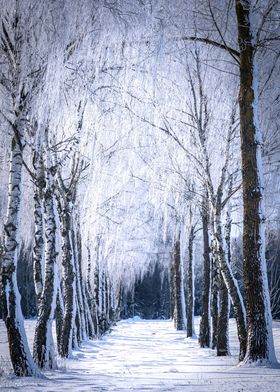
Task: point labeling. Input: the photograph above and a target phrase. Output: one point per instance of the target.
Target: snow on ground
(142, 355)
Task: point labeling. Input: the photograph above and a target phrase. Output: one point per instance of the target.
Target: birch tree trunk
(97, 297)
(20, 355)
(231, 283)
(172, 288)
(43, 347)
(260, 347)
(59, 311)
(190, 286)
(223, 320)
(39, 243)
(224, 305)
(178, 309)
(204, 331)
(88, 328)
(78, 267)
(90, 300)
(214, 295)
(68, 285)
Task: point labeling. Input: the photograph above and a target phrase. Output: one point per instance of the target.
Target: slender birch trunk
(69, 283)
(178, 309)
(232, 285)
(79, 279)
(59, 311)
(224, 308)
(39, 242)
(39, 245)
(86, 297)
(215, 283)
(20, 355)
(223, 320)
(88, 321)
(97, 297)
(118, 302)
(89, 318)
(43, 347)
(204, 331)
(90, 300)
(172, 289)
(190, 285)
(77, 330)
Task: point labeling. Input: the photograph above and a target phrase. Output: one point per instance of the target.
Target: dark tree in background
(151, 295)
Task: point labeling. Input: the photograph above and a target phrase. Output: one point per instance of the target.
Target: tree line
(91, 134)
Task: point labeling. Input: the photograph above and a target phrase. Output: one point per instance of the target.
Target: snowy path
(148, 356)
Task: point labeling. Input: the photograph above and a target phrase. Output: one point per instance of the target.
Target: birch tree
(72, 290)
(16, 83)
(43, 346)
(190, 277)
(251, 30)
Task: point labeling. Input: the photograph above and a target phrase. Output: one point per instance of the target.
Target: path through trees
(141, 355)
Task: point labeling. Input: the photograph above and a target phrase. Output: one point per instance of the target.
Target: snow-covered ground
(147, 356)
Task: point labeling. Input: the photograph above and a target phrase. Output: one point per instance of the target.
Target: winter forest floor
(141, 355)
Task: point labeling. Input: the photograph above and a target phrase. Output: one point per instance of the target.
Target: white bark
(21, 359)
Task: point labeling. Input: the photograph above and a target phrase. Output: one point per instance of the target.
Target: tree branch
(211, 42)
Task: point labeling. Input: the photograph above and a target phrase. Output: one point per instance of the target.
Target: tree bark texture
(204, 330)
(178, 309)
(232, 285)
(172, 288)
(88, 327)
(43, 348)
(39, 235)
(223, 320)
(190, 285)
(20, 355)
(215, 283)
(78, 268)
(91, 301)
(59, 311)
(39, 245)
(260, 346)
(69, 283)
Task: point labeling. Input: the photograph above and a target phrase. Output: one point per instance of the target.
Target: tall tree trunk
(43, 348)
(89, 314)
(78, 267)
(69, 283)
(223, 320)
(118, 302)
(232, 285)
(77, 330)
(109, 302)
(39, 243)
(223, 324)
(260, 345)
(178, 309)
(215, 282)
(172, 288)
(59, 311)
(88, 327)
(96, 297)
(102, 302)
(190, 286)
(90, 300)
(39, 246)
(204, 331)
(20, 355)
